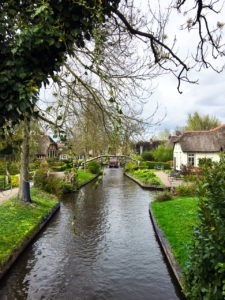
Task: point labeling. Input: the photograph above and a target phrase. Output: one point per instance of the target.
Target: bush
(186, 190)
(59, 168)
(93, 167)
(13, 168)
(51, 185)
(147, 156)
(204, 277)
(164, 196)
(155, 165)
(131, 166)
(146, 176)
(15, 181)
(162, 153)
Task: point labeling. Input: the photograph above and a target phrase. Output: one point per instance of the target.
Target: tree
(198, 122)
(162, 153)
(204, 275)
(35, 38)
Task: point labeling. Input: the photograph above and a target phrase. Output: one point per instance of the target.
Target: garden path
(5, 195)
(168, 180)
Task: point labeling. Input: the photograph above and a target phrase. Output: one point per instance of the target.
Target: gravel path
(5, 195)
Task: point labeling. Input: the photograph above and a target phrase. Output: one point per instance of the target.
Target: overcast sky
(206, 97)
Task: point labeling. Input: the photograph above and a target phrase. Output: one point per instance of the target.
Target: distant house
(63, 151)
(143, 146)
(193, 145)
(47, 147)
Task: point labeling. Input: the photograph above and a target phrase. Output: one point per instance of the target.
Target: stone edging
(164, 245)
(147, 186)
(26, 242)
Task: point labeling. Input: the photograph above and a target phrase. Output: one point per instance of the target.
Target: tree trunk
(24, 187)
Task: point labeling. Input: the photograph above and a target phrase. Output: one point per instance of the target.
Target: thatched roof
(172, 140)
(203, 141)
(44, 141)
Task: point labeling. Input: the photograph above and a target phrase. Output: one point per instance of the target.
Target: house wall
(180, 157)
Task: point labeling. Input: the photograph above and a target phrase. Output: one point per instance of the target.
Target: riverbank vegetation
(146, 176)
(177, 219)
(19, 221)
(194, 227)
(69, 181)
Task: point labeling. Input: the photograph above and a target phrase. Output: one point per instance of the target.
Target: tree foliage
(198, 122)
(162, 153)
(35, 37)
(205, 274)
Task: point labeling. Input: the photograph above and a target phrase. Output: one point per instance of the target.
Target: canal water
(100, 245)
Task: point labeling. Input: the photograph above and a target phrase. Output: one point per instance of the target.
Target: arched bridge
(121, 159)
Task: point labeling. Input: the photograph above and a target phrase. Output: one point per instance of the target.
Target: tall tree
(198, 122)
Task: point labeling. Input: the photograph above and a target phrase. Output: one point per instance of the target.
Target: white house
(193, 145)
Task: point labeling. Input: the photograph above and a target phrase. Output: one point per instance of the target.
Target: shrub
(204, 277)
(146, 176)
(14, 169)
(15, 181)
(51, 184)
(164, 196)
(205, 162)
(186, 189)
(154, 165)
(131, 166)
(147, 156)
(93, 167)
(59, 168)
(162, 153)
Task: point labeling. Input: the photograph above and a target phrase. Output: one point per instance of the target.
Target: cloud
(207, 97)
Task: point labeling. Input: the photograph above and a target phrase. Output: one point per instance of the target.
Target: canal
(100, 245)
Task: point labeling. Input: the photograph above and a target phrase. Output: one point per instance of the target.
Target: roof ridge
(209, 130)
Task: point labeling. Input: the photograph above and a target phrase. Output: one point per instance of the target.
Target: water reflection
(100, 245)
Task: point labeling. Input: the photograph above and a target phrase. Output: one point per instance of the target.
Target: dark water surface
(100, 245)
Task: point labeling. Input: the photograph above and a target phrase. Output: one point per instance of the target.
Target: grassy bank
(83, 177)
(145, 176)
(177, 218)
(19, 220)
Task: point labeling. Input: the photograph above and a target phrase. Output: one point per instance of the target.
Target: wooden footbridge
(122, 159)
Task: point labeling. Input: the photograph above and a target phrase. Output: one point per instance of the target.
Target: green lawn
(146, 176)
(84, 176)
(177, 219)
(19, 220)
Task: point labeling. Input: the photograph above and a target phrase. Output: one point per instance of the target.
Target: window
(191, 159)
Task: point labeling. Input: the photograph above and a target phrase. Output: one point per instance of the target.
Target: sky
(206, 97)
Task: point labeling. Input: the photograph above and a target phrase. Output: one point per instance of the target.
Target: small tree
(205, 274)
(198, 122)
(162, 153)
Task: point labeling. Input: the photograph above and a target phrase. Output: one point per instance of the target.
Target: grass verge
(177, 219)
(83, 177)
(19, 220)
(146, 176)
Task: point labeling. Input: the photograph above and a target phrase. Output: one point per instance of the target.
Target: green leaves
(204, 278)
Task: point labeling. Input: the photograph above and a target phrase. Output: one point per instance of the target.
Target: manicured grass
(19, 220)
(146, 176)
(177, 219)
(84, 176)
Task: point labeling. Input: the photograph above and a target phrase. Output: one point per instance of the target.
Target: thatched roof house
(193, 145)
(47, 147)
(143, 146)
